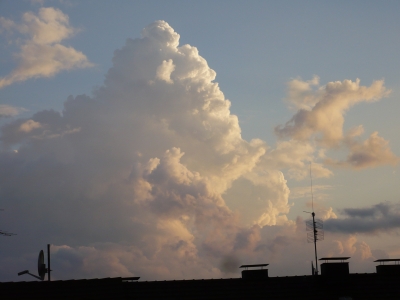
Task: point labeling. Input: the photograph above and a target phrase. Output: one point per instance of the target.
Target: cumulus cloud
(294, 157)
(377, 218)
(326, 214)
(41, 53)
(303, 94)
(319, 121)
(165, 69)
(321, 111)
(372, 152)
(144, 167)
(150, 175)
(29, 125)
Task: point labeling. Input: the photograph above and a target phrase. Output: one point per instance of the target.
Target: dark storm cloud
(377, 218)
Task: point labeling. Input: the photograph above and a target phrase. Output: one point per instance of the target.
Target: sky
(174, 139)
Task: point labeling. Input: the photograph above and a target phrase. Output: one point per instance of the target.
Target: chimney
(335, 266)
(254, 274)
(390, 270)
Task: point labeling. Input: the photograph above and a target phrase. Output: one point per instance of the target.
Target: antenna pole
(315, 243)
(316, 234)
(48, 262)
(312, 194)
(314, 225)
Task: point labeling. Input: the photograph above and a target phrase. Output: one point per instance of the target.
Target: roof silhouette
(354, 286)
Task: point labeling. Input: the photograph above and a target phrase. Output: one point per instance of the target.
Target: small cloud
(42, 54)
(319, 121)
(372, 152)
(321, 111)
(29, 125)
(10, 111)
(326, 214)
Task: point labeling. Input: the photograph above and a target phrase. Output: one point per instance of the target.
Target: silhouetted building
(335, 266)
(335, 286)
(390, 270)
(254, 274)
(353, 286)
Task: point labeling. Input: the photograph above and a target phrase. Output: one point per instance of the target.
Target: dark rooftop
(354, 286)
(253, 266)
(387, 259)
(334, 258)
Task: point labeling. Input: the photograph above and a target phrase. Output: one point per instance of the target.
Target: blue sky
(258, 49)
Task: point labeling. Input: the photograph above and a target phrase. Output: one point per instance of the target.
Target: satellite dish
(41, 266)
(42, 270)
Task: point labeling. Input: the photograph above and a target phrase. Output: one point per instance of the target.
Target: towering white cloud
(42, 54)
(148, 161)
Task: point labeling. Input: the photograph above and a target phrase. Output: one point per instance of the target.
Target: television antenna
(315, 230)
(5, 233)
(2, 232)
(42, 270)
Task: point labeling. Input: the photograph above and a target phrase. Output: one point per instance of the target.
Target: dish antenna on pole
(42, 270)
(315, 230)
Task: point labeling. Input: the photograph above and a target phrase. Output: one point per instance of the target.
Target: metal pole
(48, 262)
(315, 244)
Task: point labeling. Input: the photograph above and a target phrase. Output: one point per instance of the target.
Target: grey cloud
(371, 152)
(275, 245)
(230, 264)
(379, 254)
(377, 218)
(381, 209)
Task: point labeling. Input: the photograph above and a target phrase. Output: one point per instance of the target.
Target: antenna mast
(2, 232)
(314, 228)
(312, 194)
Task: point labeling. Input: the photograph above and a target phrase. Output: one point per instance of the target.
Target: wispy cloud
(10, 111)
(305, 191)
